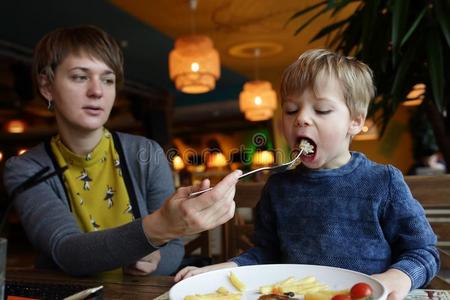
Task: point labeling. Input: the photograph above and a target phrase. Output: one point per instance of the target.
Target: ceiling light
(216, 160)
(258, 100)
(16, 126)
(22, 151)
(178, 163)
(368, 132)
(263, 158)
(194, 63)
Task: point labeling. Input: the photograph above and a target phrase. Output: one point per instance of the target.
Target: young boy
(338, 208)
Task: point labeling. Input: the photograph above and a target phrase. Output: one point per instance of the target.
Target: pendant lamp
(258, 100)
(194, 63)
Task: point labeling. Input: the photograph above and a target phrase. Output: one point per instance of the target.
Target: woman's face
(83, 91)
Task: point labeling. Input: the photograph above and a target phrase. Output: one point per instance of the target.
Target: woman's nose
(95, 89)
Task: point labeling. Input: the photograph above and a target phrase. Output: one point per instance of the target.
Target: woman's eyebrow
(87, 70)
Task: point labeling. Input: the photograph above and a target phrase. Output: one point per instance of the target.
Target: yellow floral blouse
(94, 182)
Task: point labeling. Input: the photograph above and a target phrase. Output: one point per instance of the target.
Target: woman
(106, 206)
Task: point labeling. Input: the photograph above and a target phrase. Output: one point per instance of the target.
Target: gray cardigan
(46, 216)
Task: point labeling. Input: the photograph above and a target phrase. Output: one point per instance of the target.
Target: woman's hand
(397, 283)
(145, 265)
(182, 215)
(191, 271)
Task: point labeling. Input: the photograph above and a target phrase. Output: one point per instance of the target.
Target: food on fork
(306, 147)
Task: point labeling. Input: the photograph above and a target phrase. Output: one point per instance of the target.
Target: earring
(51, 105)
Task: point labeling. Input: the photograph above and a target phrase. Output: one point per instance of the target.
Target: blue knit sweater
(360, 216)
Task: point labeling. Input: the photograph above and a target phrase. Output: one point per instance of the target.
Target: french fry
(213, 296)
(236, 282)
(290, 285)
(221, 294)
(223, 291)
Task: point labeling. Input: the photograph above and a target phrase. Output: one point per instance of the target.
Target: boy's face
(324, 120)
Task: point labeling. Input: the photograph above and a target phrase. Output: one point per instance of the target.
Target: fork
(279, 168)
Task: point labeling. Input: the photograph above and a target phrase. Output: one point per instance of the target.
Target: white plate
(255, 276)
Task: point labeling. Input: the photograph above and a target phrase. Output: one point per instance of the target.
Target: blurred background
(218, 108)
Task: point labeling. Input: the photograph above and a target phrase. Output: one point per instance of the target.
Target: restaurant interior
(208, 125)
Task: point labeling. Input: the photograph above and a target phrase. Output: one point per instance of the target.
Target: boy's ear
(45, 87)
(356, 125)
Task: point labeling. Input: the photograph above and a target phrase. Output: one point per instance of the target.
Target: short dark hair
(55, 46)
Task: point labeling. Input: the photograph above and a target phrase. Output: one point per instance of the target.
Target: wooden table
(118, 287)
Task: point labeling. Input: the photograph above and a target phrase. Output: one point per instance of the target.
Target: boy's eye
(290, 112)
(290, 108)
(323, 112)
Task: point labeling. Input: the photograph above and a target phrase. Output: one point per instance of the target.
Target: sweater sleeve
(265, 237)
(407, 229)
(159, 187)
(53, 230)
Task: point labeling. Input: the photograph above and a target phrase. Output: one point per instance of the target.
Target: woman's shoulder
(132, 140)
(33, 158)
(18, 168)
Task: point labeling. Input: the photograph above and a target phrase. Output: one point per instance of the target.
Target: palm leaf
(435, 61)
(328, 29)
(399, 17)
(310, 20)
(413, 26)
(402, 72)
(369, 12)
(306, 10)
(442, 12)
(339, 6)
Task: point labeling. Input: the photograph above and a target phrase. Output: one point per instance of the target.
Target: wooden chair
(433, 192)
(237, 232)
(200, 242)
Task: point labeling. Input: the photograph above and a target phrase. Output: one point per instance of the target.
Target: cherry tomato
(341, 297)
(360, 290)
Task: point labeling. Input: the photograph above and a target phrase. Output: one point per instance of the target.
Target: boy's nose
(302, 119)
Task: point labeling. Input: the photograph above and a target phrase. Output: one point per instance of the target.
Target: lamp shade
(178, 163)
(216, 160)
(194, 64)
(263, 158)
(258, 100)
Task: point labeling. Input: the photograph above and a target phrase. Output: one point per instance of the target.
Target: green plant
(404, 42)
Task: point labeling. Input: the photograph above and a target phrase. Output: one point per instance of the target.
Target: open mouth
(307, 145)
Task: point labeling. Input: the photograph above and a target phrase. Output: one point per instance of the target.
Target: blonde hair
(355, 77)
